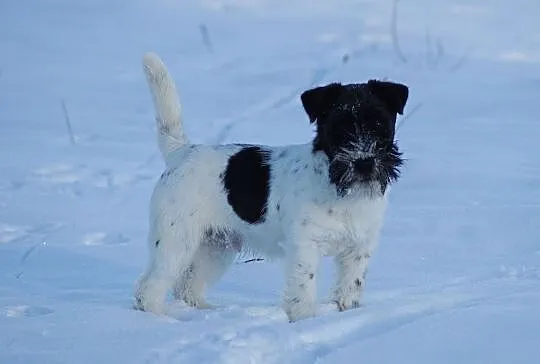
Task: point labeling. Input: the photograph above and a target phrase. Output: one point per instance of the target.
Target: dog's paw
(142, 304)
(348, 296)
(200, 304)
(298, 309)
(345, 303)
(137, 304)
(206, 306)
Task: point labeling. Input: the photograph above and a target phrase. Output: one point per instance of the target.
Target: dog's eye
(382, 125)
(334, 134)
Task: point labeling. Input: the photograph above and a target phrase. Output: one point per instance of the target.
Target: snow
(456, 278)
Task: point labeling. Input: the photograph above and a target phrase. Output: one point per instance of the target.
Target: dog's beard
(348, 182)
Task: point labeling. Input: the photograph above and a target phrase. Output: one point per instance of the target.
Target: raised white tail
(166, 103)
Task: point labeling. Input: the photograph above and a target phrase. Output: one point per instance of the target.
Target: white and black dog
(298, 202)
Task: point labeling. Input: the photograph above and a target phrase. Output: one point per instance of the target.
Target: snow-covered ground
(456, 278)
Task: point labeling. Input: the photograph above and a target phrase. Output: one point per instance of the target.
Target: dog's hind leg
(214, 256)
(168, 254)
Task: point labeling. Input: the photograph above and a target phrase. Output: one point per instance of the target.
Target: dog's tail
(166, 103)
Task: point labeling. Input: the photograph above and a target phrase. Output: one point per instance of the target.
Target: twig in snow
(434, 50)
(409, 114)
(253, 260)
(26, 255)
(206, 38)
(429, 55)
(394, 33)
(68, 122)
(460, 62)
(440, 49)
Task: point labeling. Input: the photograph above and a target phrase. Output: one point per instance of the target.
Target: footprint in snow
(73, 176)
(16, 233)
(26, 311)
(60, 173)
(100, 238)
(9, 233)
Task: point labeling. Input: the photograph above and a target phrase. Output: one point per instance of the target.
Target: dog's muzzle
(349, 176)
(364, 168)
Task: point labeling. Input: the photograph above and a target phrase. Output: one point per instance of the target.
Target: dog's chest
(336, 226)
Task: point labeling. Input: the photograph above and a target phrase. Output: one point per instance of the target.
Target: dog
(296, 203)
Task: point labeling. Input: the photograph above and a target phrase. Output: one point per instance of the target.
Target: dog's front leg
(351, 267)
(300, 293)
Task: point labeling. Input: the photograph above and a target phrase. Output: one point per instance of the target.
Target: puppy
(297, 202)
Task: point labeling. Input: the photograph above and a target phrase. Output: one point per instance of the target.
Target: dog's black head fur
(355, 129)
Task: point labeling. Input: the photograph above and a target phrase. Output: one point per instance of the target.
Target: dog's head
(355, 129)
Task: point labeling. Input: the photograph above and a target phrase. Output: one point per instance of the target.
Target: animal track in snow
(62, 174)
(9, 233)
(17, 311)
(100, 238)
(262, 334)
(14, 233)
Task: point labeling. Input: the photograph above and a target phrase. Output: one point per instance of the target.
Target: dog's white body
(304, 219)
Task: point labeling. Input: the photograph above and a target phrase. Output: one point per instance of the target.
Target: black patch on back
(247, 183)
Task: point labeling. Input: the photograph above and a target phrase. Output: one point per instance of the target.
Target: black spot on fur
(166, 174)
(278, 207)
(357, 282)
(247, 183)
(172, 223)
(223, 238)
(212, 233)
(311, 275)
(282, 154)
(157, 243)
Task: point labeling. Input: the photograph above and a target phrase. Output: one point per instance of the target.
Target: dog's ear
(318, 100)
(393, 95)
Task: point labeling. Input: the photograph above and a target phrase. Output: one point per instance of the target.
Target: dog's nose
(364, 165)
